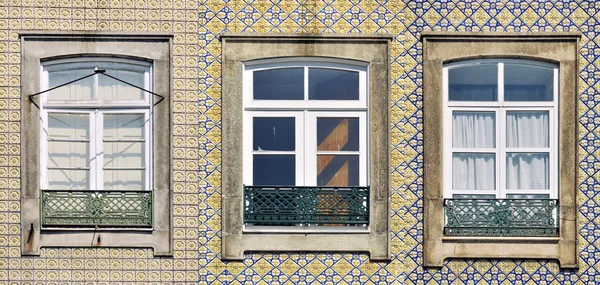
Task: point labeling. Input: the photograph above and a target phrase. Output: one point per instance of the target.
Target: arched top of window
(496, 80)
(95, 89)
(311, 80)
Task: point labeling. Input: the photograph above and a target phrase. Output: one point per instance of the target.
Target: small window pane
(332, 84)
(274, 170)
(527, 129)
(124, 126)
(473, 83)
(124, 179)
(68, 154)
(112, 90)
(473, 171)
(338, 170)
(337, 134)
(474, 129)
(528, 83)
(279, 84)
(68, 126)
(124, 154)
(527, 171)
(68, 179)
(80, 90)
(270, 133)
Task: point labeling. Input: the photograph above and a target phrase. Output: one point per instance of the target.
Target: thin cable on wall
(97, 71)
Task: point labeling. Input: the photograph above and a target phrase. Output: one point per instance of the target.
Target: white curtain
(473, 171)
(527, 129)
(527, 170)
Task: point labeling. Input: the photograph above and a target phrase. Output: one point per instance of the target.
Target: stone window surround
(38, 46)
(443, 47)
(239, 48)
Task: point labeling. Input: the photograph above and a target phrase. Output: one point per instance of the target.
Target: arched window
(96, 142)
(305, 138)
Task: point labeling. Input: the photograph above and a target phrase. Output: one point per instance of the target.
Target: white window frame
(305, 112)
(96, 110)
(500, 107)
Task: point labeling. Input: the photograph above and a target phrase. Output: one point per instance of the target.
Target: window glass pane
(112, 90)
(124, 126)
(337, 134)
(80, 90)
(474, 129)
(338, 170)
(332, 84)
(473, 171)
(527, 196)
(124, 179)
(279, 84)
(527, 171)
(473, 83)
(63, 126)
(528, 83)
(68, 179)
(124, 154)
(271, 133)
(527, 129)
(274, 170)
(68, 154)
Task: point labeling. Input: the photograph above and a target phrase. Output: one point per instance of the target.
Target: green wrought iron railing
(502, 217)
(294, 205)
(96, 208)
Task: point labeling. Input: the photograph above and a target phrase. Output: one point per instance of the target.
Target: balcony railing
(292, 205)
(96, 208)
(502, 217)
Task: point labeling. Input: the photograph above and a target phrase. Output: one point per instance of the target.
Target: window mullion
(501, 137)
(500, 83)
(309, 150)
(99, 149)
(501, 153)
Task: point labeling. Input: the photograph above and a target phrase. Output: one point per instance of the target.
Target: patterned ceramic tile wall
(196, 118)
(87, 265)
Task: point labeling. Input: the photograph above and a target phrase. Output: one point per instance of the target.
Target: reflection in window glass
(124, 151)
(68, 151)
(279, 84)
(337, 170)
(528, 83)
(80, 90)
(473, 83)
(337, 134)
(271, 133)
(332, 84)
(111, 90)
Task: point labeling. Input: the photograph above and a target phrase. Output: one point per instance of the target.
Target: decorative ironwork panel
(291, 205)
(501, 217)
(96, 208)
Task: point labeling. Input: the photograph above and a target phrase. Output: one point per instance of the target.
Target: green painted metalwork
(96, 208)
(293, 205)
(501, 217)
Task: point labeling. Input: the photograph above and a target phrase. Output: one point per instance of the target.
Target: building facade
(193, 235)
